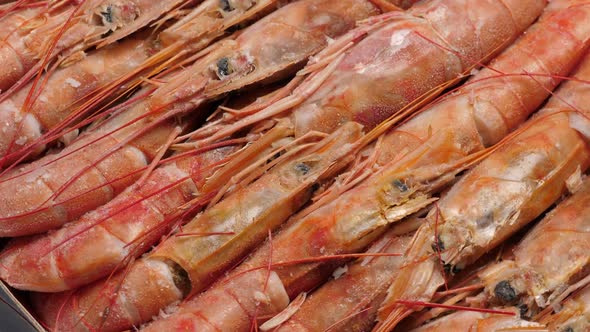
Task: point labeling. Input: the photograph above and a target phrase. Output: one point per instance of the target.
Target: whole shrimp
(371, 81)
(64, 90)
(28, 124)
(47, 199)
(65, 28)
(510, 188)
(538, 274)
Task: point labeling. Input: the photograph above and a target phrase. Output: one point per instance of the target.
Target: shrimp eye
(568, 329)
(505, 292)
(108, 14)
(400, 185)
(223, 67)
(225, 5)
(315, 187)
(523, 308)
(302, 168)
(451, 269)
(437, 245)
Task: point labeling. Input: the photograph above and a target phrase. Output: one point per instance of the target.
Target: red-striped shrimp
(371, 81)
(351, 222)
(524, 17)
(510, 188)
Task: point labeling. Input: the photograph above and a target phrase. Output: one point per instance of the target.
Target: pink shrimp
(28, 124)
(498, 14)
(371, 81)
(363, 212)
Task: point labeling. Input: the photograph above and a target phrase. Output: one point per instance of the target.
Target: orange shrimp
(63, 91)
(538, 274)
(35, 208)
(528, 13)
(235, 225)
(510, 188)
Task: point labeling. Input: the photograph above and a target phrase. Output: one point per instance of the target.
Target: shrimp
(519, 18)
(538, 273)
(264, 296)
(510, 188)
(65, 28)
(64, 90)
(263, 205)
(573, 316)
(33, 208)
(372, 81)
(349, 302)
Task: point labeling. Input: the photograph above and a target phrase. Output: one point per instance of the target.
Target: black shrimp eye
(223, 67)
(302, 168)
(225, 5)
(437, 245)
(568, 329)
(523, 309)
(108, 14)
(400, 185)
(504, 292)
